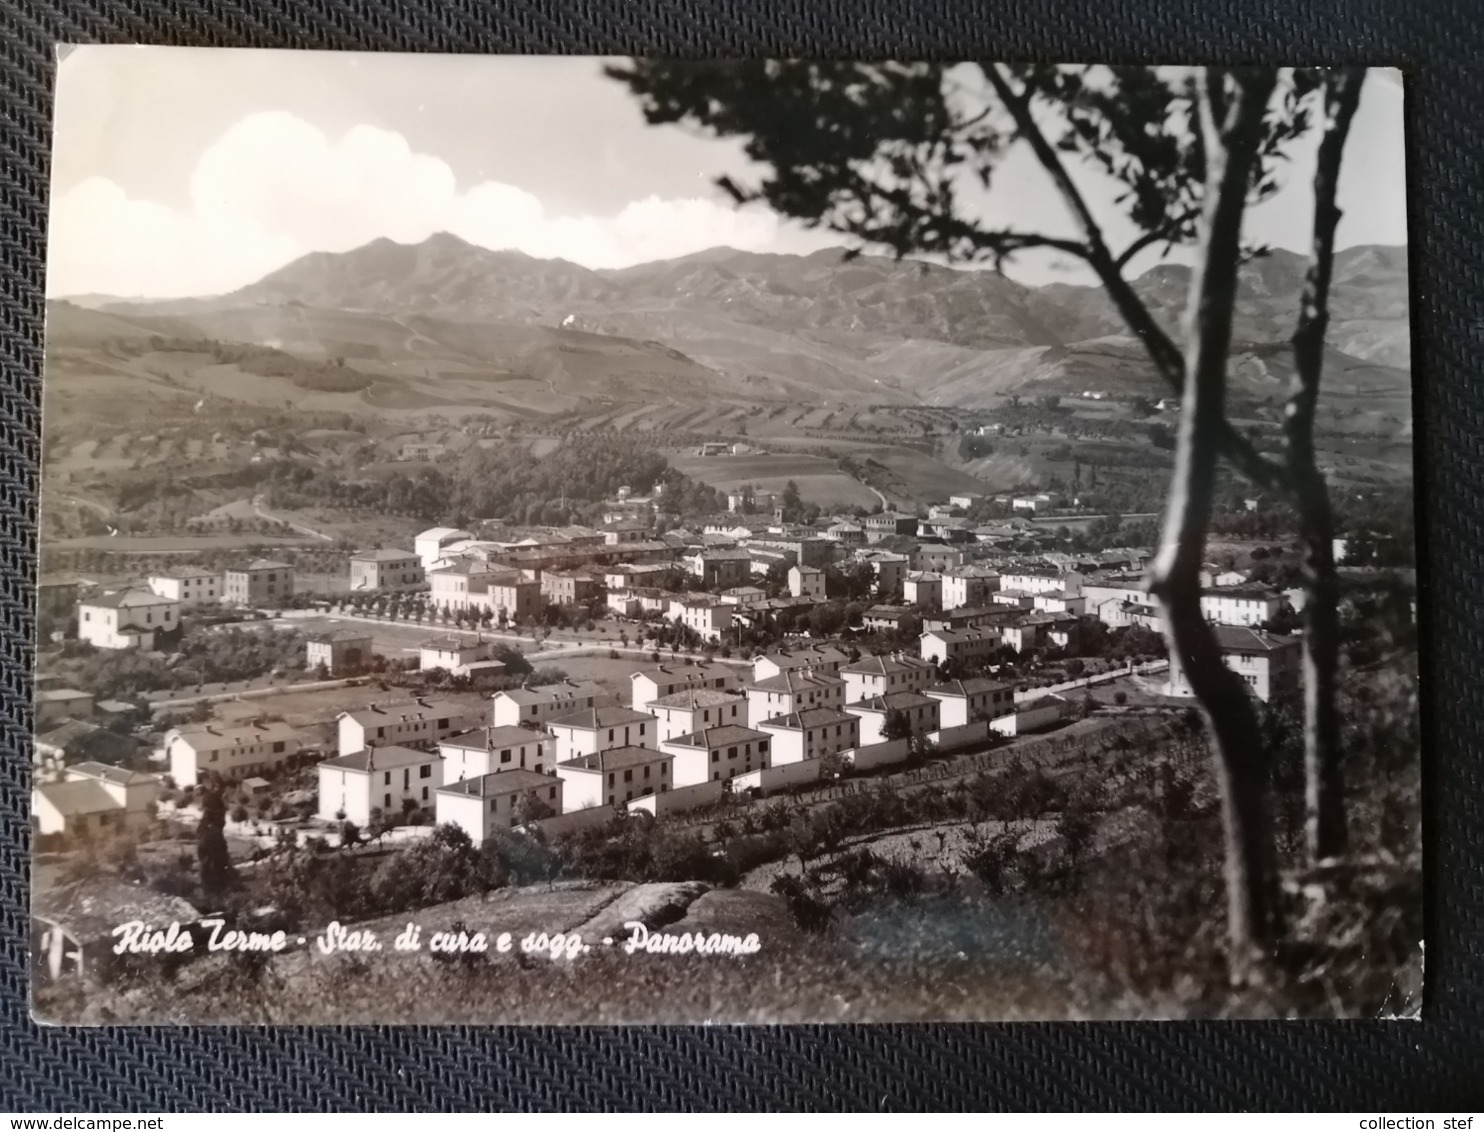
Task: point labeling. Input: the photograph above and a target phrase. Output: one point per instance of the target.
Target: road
(252, 693)
(303, 529)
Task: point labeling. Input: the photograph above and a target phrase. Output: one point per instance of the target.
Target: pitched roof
(793, 679)
(180, 573)
(62, 695)
(414, 709)
(550, 693)
(593, 718)
(382, 758)
(263, 564)
(709, 737)
(452, 644)
(382, 554)
(679, 673)
(809, 717)
(893, 701)
(884, 665)
(79, 796)
(443, 533)
(805, 656)
(103, 772)
(616, 758)
(958, 689)
(127, 598)
(1246, 593)
(500, 782)
(210, 737)
(492, 738)
(697, 697)
(1236, 638)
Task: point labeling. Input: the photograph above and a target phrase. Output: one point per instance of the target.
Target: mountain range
(737, 325)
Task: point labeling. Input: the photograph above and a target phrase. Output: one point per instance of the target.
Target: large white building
(380, 779)
(1249, 606)
(880, 675)
(189, 585)
(126, 619)
(920, 711)
(535, 705)
(385, 569)
(1035, 580)
(1268, 664)
(708, 618)
(650, 684)
(967, 646)
(806, 581)
(237, 751)
(693, 709)
(486, 750)
(405, 724)
(613, 777)
(718, 754)
(961, 702)
(601, 729)
(95, 799)
(816, 658)
(432, 544)
(458, 656)
(497, 803)
(792, 691)
(810, 734)
(968, 586)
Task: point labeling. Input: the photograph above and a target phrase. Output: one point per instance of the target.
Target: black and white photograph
(629, 540)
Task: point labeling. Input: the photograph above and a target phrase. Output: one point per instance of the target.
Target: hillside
(445, 323)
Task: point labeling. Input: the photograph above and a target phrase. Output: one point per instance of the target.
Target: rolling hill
(456, 323)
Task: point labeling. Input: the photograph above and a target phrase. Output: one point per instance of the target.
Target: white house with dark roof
(791, 691)
(921, 713)
(961, 702)
(601, 729)
(969, 585)
(189, 585)
(1250, 606)
(377, 778)
(385, 569)
(126, 619)
(458, 656)
(56, 704)
(1268, 663)
(338, 651)
(967, 646)
(923, 589)
(806, 581)
(486, 750)
(235, 751)
(407, 723)
(717, 754)
(693, 709)
(263, 581)
(614, 777)
(94, 798)
(880, 675)
(816, 658)
(708, 618)
(497, 803)
(533, 706)
(810, 733)
(650, 684)
(432, 543)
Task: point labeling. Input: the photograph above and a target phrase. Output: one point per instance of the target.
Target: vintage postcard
(615, 540)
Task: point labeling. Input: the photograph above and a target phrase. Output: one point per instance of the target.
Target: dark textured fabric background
(1382, 1066)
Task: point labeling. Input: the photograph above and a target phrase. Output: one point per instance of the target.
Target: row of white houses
(542, 753)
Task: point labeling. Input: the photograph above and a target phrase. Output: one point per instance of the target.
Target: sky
(189, 171)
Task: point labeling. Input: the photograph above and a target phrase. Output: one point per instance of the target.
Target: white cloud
(274, 187)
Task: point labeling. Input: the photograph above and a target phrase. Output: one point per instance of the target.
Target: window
(641, 729)
(213, 756)
(425, 771)
(629, 797)
(380, 732)
(505, 755)
(716, 756)
(442, 723)
(425, 793)
(731, 752)
(610, 734)
(387, 802)
(646, 772)
(716, 776)
(628, 776)
(552, 793)
(278, 748)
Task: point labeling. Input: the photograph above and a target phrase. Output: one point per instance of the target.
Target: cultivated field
(819, 480)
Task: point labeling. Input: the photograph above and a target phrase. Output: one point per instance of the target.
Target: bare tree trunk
(1232, 109)
(1325, 834)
